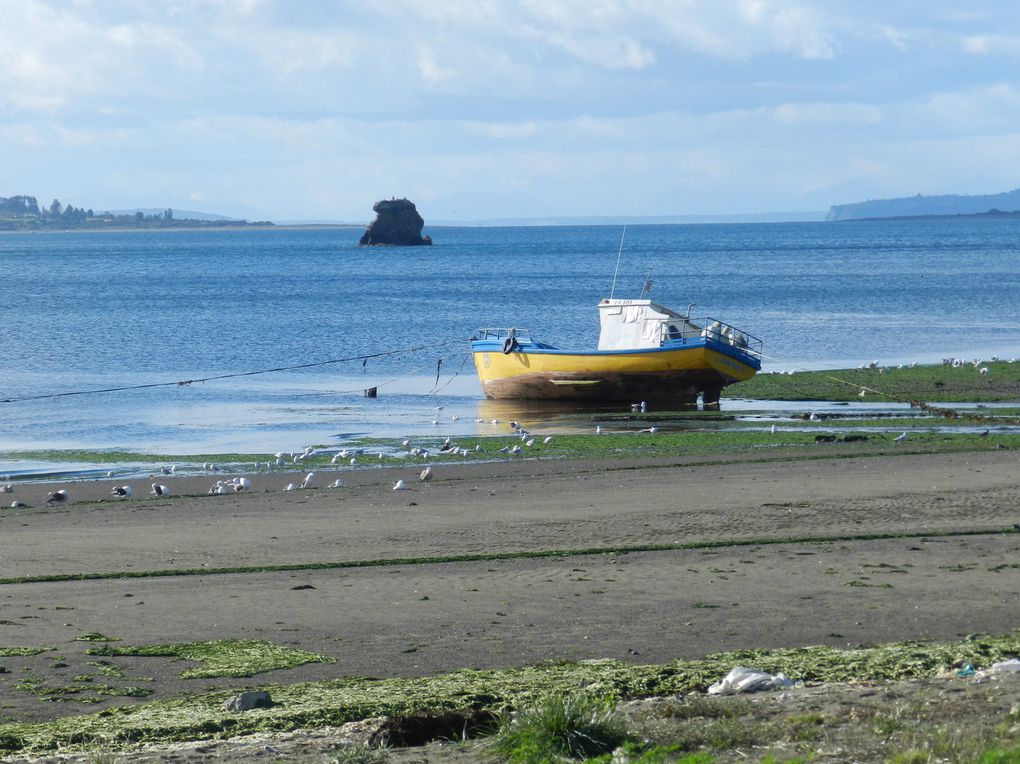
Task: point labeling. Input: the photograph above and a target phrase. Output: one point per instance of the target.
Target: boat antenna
(647, 286)
(618, 255)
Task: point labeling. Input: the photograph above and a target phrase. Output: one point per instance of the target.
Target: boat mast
(618, 255)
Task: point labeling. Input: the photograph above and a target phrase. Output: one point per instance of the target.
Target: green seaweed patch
(928, 382)
(334, 702)
(95, 636)
(14, 652)
(222, 658)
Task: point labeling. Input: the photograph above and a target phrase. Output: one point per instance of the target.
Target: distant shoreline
(991, 215)
(127, 229)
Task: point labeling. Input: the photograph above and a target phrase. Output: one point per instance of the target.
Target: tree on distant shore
(19, 206)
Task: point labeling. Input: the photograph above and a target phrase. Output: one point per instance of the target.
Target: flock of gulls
(348, 456)
(290, 460)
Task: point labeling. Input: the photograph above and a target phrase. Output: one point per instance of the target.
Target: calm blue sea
(82, 311)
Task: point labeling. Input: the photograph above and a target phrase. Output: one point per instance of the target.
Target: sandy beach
(952, 573)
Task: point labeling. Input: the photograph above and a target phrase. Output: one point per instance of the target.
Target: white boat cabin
(635, 324)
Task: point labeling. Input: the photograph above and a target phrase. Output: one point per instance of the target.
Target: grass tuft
(557, 727)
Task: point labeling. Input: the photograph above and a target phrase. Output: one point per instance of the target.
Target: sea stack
(397, 224)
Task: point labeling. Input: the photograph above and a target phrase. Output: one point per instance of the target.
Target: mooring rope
(233, 375)
(941, 411)
(453, 376)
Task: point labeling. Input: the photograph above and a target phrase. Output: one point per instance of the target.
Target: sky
(294, 110)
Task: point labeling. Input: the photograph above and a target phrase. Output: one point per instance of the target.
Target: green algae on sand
(334, 702)
(222, 658)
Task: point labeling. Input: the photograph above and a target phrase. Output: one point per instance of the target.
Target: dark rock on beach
(397, 223)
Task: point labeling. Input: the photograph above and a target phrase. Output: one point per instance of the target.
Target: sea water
(146, 310)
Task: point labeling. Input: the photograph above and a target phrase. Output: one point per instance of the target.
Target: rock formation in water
(397, 223)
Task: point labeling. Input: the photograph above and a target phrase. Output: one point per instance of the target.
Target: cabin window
(672, 332)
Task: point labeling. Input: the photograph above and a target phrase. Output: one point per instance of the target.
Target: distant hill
(178, 214)
(915, 206)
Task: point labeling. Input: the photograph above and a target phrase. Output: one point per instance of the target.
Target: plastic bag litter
(743, 679)
(1012, 666)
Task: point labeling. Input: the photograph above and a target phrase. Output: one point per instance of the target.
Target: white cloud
(430, 69)
(289, 51)
(989, 44)
(825, 114)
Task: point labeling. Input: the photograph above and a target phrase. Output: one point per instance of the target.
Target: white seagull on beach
(240, 484)
(338, 483)
(901, 437)
(122, 491)
(159, 490)
(426, 475)
(9, 488)
(58, 497)
(400, 485)
(309, 479)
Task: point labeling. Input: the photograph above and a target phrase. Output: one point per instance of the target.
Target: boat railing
(714, 330)
(502, 333)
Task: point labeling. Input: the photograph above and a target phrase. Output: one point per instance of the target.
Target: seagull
(109, 474)
(9, 488)
(159, 490)
(983, 370)
(772, 429)
(547, 440)
(862, 393)
(529, 442)
(240, 484)
(426, 475)
(598, 429)
(338, 483)
(307, 482)
(18, 504)
(406, 443)
(219, 489)
(354, 460)
(400, 485)
(122, 491)
(478, 446)
(515, 450)
(901, 437)
(57, 497)
(290, 487)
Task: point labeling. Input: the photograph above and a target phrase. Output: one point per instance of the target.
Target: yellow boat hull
(675, 375)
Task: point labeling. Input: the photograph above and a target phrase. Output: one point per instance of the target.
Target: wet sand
(939, 581)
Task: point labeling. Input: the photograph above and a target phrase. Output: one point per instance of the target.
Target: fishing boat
(646, 352)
